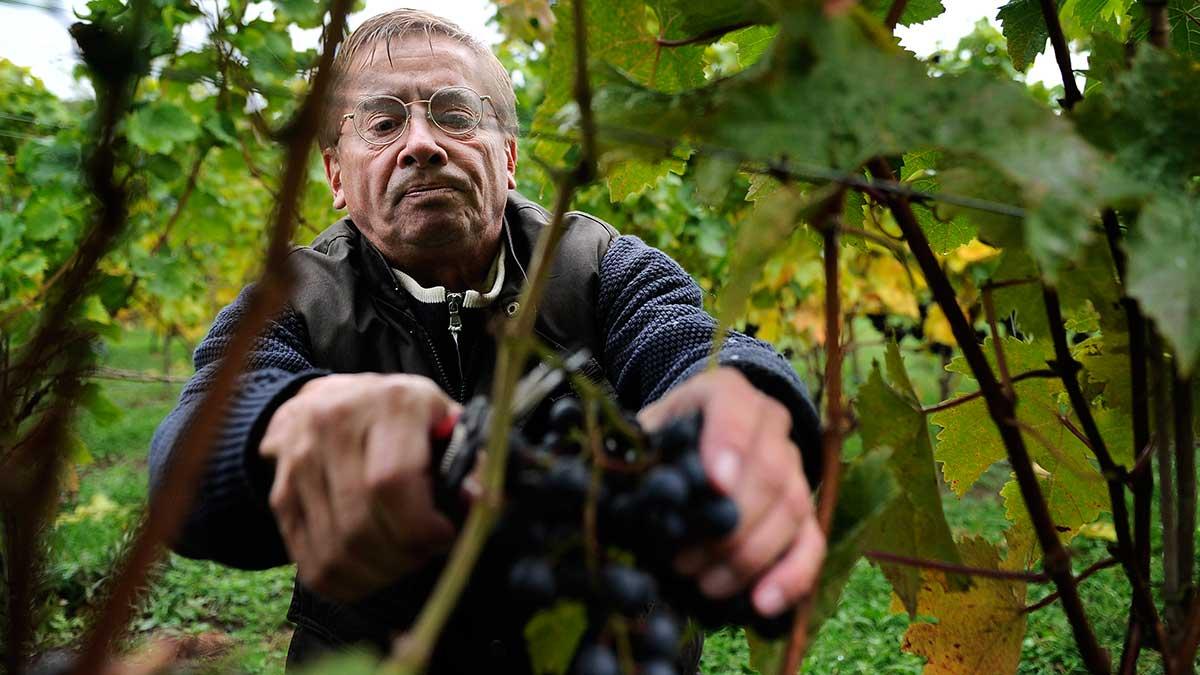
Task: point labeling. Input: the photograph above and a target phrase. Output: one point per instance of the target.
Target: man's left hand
(778, 546)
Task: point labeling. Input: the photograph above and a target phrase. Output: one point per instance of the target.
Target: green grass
(191, 597)
(187, 597)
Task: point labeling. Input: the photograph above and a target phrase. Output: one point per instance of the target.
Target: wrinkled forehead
(413, 67)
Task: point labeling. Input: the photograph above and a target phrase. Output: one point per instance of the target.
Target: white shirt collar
(472, 299)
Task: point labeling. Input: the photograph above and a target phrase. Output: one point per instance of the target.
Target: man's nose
(421, 146)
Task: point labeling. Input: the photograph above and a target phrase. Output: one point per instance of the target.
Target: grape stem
(411, 651)
(827, 219)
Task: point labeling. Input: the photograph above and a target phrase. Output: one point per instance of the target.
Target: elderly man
(324, 457)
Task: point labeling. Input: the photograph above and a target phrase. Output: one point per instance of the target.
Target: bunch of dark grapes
(599, 519)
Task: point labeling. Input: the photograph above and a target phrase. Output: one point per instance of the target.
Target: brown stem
(967, 398)
(954, 568)
(894, 13)
(177, 486)
(412, 651)
(1070, 426)
(1141, 479)
(1006, 283)
(989, 310)
(1002, 411)
(105, 373)
(833, 434)
(24, 516)
(1132, 649)
(705, 37)
(1061, 54)
(1087, 572)
(1160, 28)
(1185, 467)
(1068, 369)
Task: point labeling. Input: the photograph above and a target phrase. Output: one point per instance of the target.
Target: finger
(752, 554)
(364, 534)
(327, 568)
(397, 470)
(795, 575)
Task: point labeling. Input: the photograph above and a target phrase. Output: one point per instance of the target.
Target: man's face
(429, 193)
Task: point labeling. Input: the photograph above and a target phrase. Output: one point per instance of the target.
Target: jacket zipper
(454, 304)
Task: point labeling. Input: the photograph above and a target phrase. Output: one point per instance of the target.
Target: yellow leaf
(1099, 530)
(937, 328)
(978, 630)
(890, 282)
(976, 251)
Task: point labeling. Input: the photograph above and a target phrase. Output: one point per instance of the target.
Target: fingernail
(720, 582)
(725, 468)
(769, 600)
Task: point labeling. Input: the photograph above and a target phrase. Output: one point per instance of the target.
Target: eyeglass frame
(428, 113)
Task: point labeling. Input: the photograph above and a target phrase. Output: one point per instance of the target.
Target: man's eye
(456, 119)
(383, 125)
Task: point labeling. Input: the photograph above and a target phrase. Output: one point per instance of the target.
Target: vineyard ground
(246, 609)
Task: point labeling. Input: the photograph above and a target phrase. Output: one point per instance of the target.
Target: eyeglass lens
(455, 110)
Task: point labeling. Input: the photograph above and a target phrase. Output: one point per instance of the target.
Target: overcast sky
(37, 38)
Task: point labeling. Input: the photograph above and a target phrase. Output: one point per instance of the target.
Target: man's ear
(510, 151)
(333, 174)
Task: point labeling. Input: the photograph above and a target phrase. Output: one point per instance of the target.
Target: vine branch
(1062, 54)
(1002, 410)
(169, 504)
(1087, 572)
(411, 651)
(705, 37)
(946, 405)
(955, 568)
(832, 435)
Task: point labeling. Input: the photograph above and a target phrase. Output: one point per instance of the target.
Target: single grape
(664, 486)
(670, 526)
(566, 414)
(693, 470)
(657, 667)
(597, 660)
(660, 636)
(716, 517)
(678, 435)
(568, 478)
(628, 589)
(532, 579)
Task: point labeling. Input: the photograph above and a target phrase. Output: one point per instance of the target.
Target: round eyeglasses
(379, 120)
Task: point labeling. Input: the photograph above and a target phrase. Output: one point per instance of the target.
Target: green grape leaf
(945, 232)
(1146, 118)
(1025, 29)
(915, 11)
(969, 442)
(682, 19)
(752, 43)
(1183, 22)
(877, 100)
(979, 630)
(1164, 272)
(913, 524)
(635, 176)
(552, 636)
(161, 127)
(99, 406)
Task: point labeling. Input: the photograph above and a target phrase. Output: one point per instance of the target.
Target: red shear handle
(444, 428)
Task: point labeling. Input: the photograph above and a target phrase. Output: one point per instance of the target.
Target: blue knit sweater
(656, 336)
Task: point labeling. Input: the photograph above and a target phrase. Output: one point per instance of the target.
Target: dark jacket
(633, 307)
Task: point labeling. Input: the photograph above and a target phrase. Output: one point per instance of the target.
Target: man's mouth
(427, 190)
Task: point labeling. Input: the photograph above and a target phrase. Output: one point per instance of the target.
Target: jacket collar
(523, 221)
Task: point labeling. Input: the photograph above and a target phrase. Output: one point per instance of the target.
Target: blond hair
(397, 24)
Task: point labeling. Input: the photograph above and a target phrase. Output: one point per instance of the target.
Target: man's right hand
(352, 494)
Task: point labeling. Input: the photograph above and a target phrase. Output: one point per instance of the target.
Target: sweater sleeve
(230, 520)
(657, 335)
